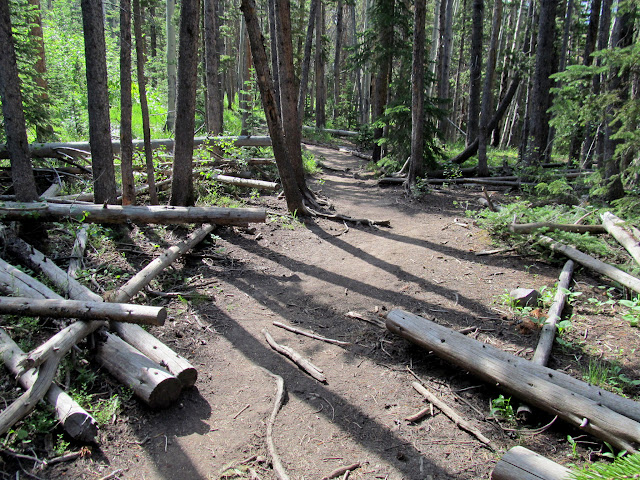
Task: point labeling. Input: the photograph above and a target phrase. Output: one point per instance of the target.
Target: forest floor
(309, 275)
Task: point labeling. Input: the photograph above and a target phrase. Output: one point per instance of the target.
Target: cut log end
(81, 427)
(188, 377)
(165, 393)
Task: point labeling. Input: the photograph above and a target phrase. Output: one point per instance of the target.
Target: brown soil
(310, 276)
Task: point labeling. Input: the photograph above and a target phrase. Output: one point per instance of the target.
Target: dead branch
(346, 218)
(452, 414)
(524, 228)
(616, 227)
(77, 252)
(421, 414)
(277, 404)
(309, 334)
(290, 353)
(486, 196)
(358, 316)
(594, 264)
(341, 471)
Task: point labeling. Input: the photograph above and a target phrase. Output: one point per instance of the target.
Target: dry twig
(306, 333)
(341, 471)
(298, 359)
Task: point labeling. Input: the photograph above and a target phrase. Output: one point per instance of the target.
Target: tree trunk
(14, 121)
(212, 60)
(126, 137)
(416, 163)
(383, 76)
(444, 58)
(275, 70)
(321, 88)
(292, 191)
(172, 78)
(475, 70)
(104, 179)
(336, 59)
(306, 61)
(182, 187)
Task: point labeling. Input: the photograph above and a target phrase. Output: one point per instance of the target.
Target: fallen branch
(453, 415)
(277, 404)
(420, 414)
(341, 471)
(358, 316)
(520, 463)
(290, 353)
(306, 333)
(615, 227)
(523, 228)
(594, 264)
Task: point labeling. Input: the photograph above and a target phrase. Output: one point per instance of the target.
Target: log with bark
(520, 463)
(136, 214)
(594, 264)
(524, 228)
(616, 227)
(525, 380)
(74, 419)
(118, 312)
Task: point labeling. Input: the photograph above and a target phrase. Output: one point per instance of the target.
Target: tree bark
(212, 61)
(172, 78)
(336, 59)
(383, 76)
(104, 180)
(144, 106)
(518, 378)
(321, 88)
(306, 61)
(182, 193)
(475, 70)
(416, 163)
(126, 136)
(24, 183)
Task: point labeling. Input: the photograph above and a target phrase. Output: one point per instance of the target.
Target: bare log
(77, 252)
(52, 191)
(524, 228)
(244, 182)
(332, 131)
(518, 376)
(520, 463)
(79, 149)
(74, 419)
(298, 359)
(136, 214)
(119, 312)
(452, 414)
(616, 227)
(18, 283)
(594, 264)
(151, 383)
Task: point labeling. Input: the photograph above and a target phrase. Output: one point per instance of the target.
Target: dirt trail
(310, 276)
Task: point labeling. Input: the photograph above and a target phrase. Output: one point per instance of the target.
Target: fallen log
(244, 182)
(518, 377)
(332, 131)
(520, 463)
(119, 312)
(18, 283)
(523, 228)
(78, 149)
(137, 214)
(150, 382)
(615, 227)
(74, 419)
(594, 264)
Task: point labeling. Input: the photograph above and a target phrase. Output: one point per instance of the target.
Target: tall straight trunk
(212, 63)
(288, 92)
(44, 131)
(306, 61)
(273, 33)
(336, 60)
(244, 96)
(182, 186)
(383, 76)
(458, 102)
(416, 162)
(104, 180)
(475, 70)
(172, 78)
(434, 46)
(144, 105)
(546, 65)
(24, 184)
(321, 88)
(126, 137)
(292, 192)
(444, 58)
(487, 94)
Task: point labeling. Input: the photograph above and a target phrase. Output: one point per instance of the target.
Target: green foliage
(502, 409)
(609, 376)
(627, 466)
(309, 163)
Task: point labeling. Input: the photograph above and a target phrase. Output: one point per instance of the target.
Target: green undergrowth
(627, 466)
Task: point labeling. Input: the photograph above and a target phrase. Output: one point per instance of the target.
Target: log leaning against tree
(594, 264)
(520, 463)
(524, 228)
(523, 379)
(136, 214)
(615, 227)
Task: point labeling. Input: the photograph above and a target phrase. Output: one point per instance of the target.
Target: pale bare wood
(150, 382)
(594, 264)
(18, 283)
(75, 420)
(119, 312)
(359, 316)
(616, 227)
(52, 191)
(576, 228)
(77, 252)
(309, 334)
(419, 415)
(298, 359)
(244, 182)
(277, 405)
(520, 463)
(137, 214)
(452, 414)
(341, 471)
(527, 381)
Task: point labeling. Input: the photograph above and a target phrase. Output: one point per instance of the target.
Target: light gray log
(594, 264)
(520, 463)
(332, 131)
(532, 227)
(615, 226)
(150, 382)
(244, 182)
(77, 252)
(136, 214)
(119, 312)
(18, 283)
(518, 378)
(75, 420)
